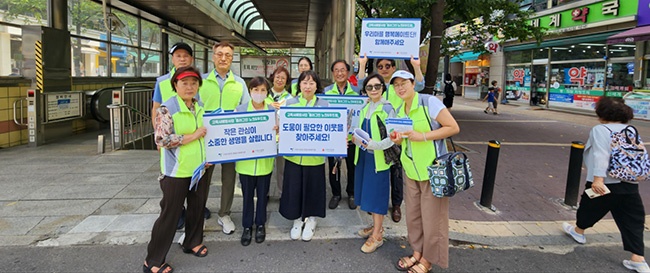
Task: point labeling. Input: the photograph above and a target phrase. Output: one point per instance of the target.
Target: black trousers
(303, 191)
(396, 185)
(335, 178)
(626, 206)
(249, 186)
(175, 191)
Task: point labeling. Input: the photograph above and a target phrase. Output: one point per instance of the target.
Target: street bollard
(573, 175)
(490, 174)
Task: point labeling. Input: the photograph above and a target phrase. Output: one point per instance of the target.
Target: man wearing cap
(224, 90)
(181, 56)
(386, 68)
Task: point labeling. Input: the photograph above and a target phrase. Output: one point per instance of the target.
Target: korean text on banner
(236, 136)
(390, 38)
(354, 104)
(308, 131)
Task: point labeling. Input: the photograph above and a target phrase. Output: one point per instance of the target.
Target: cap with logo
(401, 74)
(180, 45)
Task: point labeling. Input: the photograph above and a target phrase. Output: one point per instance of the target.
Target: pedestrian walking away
(623, 200)
(427, 217)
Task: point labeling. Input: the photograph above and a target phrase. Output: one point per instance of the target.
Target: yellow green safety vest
(294, 87)
(333, 89)
(227, 99)
(306, 160)
(166, 90)
(181, 161)
(423, 152)
(254, 167)
(283, 96)
(392, 97)
(382, 112)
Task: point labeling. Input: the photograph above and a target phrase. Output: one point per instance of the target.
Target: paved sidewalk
(67, 194)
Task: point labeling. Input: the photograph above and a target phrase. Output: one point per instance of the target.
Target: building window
(88, 59)
(583, 51)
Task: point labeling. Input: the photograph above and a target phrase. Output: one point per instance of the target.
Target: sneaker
(226, 224)
(181, 239)
(371, 245)
(351, 203)
(310, 227)
(636, 266)
(334, 202)
(365, 233)
(571, 231)
(296, 230)
(485, 111)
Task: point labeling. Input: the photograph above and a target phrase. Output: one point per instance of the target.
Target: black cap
(180, 45)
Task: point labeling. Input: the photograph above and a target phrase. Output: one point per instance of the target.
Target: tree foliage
(482, 20)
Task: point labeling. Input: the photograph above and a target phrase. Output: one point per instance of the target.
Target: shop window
(647, 75)
(89, 59)
(620, 76)
(578, 52)
(621, 50)
(86, 19)
(540, 54)
(518, 57)
(578, 76)
(518, 82)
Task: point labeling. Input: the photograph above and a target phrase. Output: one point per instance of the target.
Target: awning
(638, 34)
(465, 56)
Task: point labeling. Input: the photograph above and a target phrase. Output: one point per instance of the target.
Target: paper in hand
(361, 138)
(196, 176)
(400, 125)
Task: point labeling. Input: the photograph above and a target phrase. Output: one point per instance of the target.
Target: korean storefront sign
(588, 16)
(354, 104)
(390, 38)
(643, 17)
(518, 83)
(235, 136)
(309, 131)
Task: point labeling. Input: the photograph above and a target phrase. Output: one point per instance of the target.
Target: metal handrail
(138, 127)
(19, 123)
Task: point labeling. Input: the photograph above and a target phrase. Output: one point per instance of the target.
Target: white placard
(238, 136)
(310, 131)
(390, 38)
(353, 103)
(400, 125)
(63, 105)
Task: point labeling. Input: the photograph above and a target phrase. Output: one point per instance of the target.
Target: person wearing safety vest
(427, 216)
(386, 68)
(341, 86)
(304, 64)
(162, 91)
(224, 90)
(303, 189)
(255, 174)
(179, 134)
(278, 96)
(372, 185)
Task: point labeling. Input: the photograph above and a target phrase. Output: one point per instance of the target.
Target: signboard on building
(643, 15)
(588, 16)
(390, 38)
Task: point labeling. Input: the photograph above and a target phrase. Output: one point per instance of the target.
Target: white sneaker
(226, 224)
(181, 239)
(308, 232)
(571, 231)
(296, 230)
(641, 267)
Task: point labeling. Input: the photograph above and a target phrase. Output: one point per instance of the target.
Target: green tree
(482, 19)
(33, 10)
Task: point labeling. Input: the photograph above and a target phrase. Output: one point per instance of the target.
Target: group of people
(184, 95)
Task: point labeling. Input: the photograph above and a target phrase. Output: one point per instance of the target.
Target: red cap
(186, 74)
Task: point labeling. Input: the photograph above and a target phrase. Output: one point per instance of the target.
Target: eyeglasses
(381, 67)
(337, 71)
(221, 55)
(378, 86)
(402, 85)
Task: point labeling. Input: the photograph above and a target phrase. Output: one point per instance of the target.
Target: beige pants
(427, 222)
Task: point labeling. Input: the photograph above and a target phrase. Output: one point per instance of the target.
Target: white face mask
(258, 98)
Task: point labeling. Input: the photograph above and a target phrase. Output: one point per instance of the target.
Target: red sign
(518, 75)
(492, 47)
(580, 14)
(578, 75)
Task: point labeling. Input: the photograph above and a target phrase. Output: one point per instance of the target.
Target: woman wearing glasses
(278, 96)
(427, 216)
(304, 64)
(371, 183)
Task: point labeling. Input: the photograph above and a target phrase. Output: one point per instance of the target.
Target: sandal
(198, 253)
(419, 268)
(147, 269)
(406, 263)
